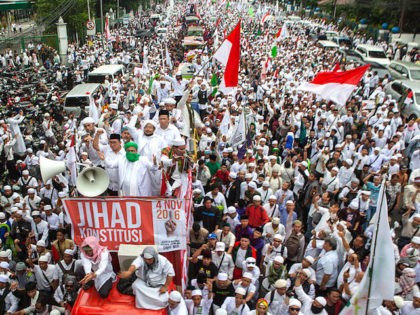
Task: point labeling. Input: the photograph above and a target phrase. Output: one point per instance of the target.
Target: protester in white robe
(154, 274)
(96, 261)
(134, 179)
(176, 304)
(19, 147)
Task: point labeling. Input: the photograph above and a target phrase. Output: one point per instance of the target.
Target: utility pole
(118, 9)
(102, 19)
(88, 8)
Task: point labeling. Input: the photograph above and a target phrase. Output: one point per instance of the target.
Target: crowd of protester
(282, 224)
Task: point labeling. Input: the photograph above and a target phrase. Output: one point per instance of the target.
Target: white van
(112, 71)
(80, 97)
(372, 53)
(328, 45)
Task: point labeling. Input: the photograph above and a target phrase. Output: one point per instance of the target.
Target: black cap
(244, 217)
(207, 198)
(115, 136)
(163, 112)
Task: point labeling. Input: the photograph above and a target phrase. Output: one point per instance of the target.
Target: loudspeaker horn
(92, 181)
(50, 168)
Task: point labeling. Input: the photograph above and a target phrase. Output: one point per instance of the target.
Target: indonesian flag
(283, 33)
(107, 32)
(409, 99)
(336, 67)
(229, 54)
(335, 86)
(265, 17)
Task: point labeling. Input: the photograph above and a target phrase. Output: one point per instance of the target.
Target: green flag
(251, 12)
(214, 92)
(227, 5)
(214, 80)
(274, 51)
(152, 78)
(259, 31)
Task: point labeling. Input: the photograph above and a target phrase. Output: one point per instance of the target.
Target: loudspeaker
(92, 181)
(128, 252)
(50, 168)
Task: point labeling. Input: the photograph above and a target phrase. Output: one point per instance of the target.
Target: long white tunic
(180, 309)
(146, 287)
(102, 269)
(14, 122)
(134, 179)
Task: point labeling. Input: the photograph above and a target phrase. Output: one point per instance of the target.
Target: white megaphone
(92, 181)
(50, 168)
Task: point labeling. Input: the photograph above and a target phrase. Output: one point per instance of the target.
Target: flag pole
(370, 271)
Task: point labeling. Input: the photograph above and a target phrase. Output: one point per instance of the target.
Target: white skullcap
(278, 237)
(280, 284)
(41, 243)
(175, 296)
(310, 259)
(247, 275)
(295, 302)
(240, 291)
(152, 122)
(196, 292)
(220, 246)
(4, 279)
(307, 272)
(69, 252)
(178, 142)
(43, 258)
(279, 259)
(321, 300)
(4, 265)
(231, 209)
(222, 276)
(169, 101)
(88, 120)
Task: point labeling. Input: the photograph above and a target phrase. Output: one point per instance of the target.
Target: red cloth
(257, 216)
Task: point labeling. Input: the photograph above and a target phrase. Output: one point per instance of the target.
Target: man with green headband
(133, 172)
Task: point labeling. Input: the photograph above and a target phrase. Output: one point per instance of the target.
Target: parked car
(404, 70)
(382, 70)
(372, 53)
(349, 55)
(399, 89)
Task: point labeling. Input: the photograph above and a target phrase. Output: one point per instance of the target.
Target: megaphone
(92, 181)
(50, 168)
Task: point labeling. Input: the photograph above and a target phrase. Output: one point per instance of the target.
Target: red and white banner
(128, 220)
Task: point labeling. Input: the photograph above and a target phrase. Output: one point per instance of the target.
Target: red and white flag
(229, 54)
(282, 33)
(265, 17)
(336, 67)
(335, 86)
(107, 32)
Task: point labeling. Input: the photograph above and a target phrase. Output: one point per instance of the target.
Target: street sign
(90, 25)
(91, 28)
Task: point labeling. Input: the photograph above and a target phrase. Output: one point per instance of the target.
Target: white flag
(93, 111)
(224, 125)
(239, 136)
(380, 273)
(168, 58)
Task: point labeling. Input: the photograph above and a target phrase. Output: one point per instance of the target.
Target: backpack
(124, 286)
(293, 244)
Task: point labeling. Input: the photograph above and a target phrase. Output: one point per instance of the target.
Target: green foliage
(75, 18)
